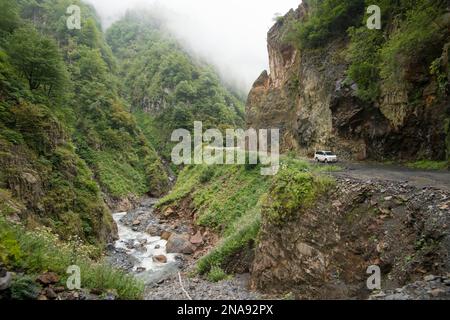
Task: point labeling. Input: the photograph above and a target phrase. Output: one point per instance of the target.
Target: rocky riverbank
(430, 288)
(324, 255)
(161, 251)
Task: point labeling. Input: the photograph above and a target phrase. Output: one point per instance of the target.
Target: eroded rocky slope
(324, 251)
(310, 96)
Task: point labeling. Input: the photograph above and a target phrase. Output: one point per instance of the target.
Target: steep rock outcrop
(307, 96)
(324, 251)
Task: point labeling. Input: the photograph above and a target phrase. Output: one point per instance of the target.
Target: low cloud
(230, 34)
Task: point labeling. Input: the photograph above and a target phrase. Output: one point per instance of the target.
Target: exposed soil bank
(324, 251)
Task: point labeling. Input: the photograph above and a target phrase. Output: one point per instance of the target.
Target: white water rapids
(143, 247)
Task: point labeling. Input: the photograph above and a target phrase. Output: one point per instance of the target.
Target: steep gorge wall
(323, 251)
(308, 96)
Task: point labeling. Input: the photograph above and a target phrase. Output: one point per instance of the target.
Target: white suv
(325, 156)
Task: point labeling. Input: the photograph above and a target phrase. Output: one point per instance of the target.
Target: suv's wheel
(326, 160)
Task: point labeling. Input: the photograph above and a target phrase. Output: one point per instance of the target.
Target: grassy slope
(230, 199)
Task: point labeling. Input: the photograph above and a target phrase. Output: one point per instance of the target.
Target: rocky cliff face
(307, 96)
(324, 251)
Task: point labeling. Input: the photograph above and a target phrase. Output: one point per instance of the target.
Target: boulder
(50, 294)
(165, 235)
(154, 230)
(59, 289)
(429, 278)
(179, 244)
(197, 238)
(160, 258)
(48, 278)
(168, 212)
(5, 281)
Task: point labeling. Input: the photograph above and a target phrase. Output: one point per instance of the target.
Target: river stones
(179, 244)
(154, 230)
(5, 280)
(197, 238)
(48, 278)
(165, 235)
(160, 258)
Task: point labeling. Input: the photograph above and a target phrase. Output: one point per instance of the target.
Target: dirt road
(375, 171)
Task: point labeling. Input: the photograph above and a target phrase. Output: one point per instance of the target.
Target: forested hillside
(68, 140)
(82, 128)
(86, 177)
(166, 86)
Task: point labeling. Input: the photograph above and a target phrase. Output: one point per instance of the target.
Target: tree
(9, 17)
(184, 91)
(328, 19)
(92, 66)
(89, 34)
(38, 59)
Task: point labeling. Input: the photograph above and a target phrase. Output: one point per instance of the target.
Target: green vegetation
(377, 56)
(428, 165)
(291, 191)
(381, 57)
(37, 58)
(407, 55)
(328, 19)
(40, 251)
(24, 288)
(69, 139)
(245, 234)
(216, 274)
(167, 88)
(66, 135)
(68, 142)
(364, 55)
(418, 39)
(233, 202)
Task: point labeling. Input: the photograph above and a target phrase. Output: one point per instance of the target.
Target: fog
(229, 34)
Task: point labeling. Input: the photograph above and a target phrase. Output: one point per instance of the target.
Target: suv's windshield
(328, 153)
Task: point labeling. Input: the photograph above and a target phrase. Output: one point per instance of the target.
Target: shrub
(216, 274)
(24, 288)
(245, 231)
(248, 157)
(437, 70)
(417, 37)
(206, 175)
(42, 251)
(291, 191)
(429, 165)
(363, 54)
(10, 251)
(328, 19)
(231, 203)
